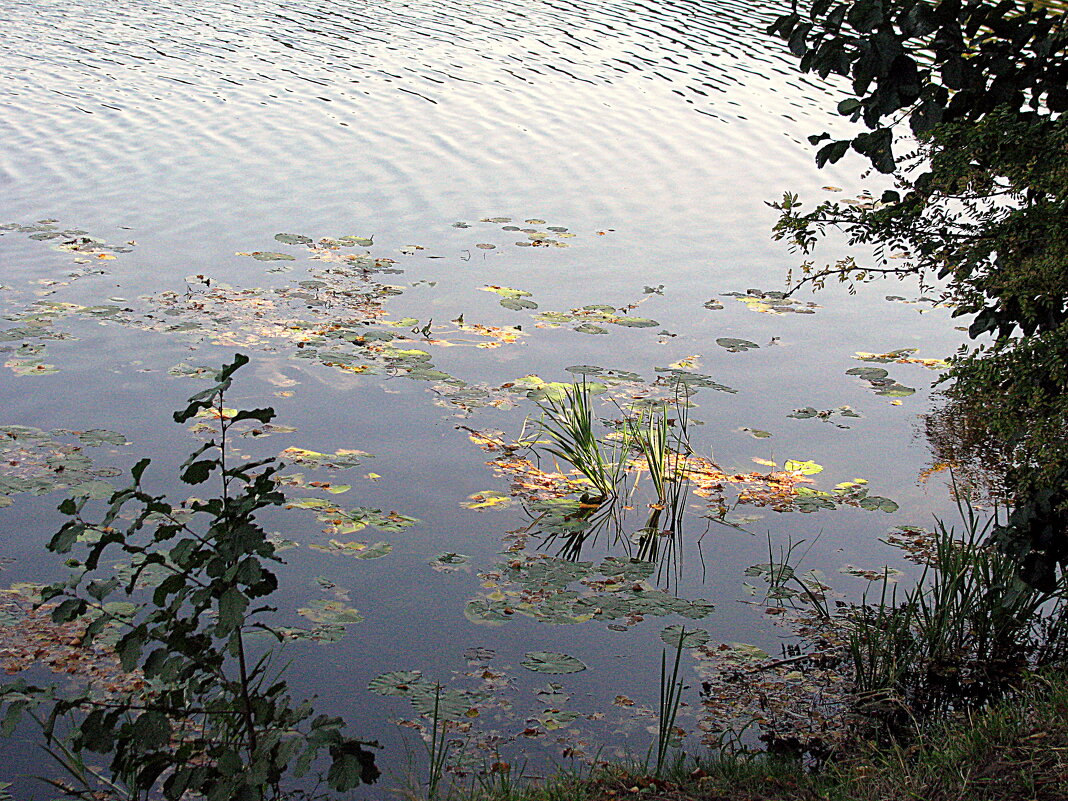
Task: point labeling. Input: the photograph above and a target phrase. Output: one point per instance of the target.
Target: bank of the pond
(1015, 750)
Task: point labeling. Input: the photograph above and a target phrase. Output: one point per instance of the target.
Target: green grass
(959, 637)
(1015, 750)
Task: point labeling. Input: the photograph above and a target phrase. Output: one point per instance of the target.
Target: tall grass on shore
(962, 635)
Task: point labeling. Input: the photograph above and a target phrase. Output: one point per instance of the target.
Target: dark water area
(180, 137)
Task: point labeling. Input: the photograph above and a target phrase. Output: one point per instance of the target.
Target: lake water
(601, 153)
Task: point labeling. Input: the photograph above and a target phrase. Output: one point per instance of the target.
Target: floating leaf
(97, 489)
(804, 468)
(293, 239)
(342, 457)
(30, 367)
(449, 561)
(868, 373)
(445, 704)
(359, 550)
(265, 255)
(400, 683)
(331, 612)
(362, 241)
(876, 503)
(96, 437)
(514, 299)
(692, 638)
(487, 499)
(746, 650)
(590, 328)
(736, 345)
(896, 390)
(320, 633)
(551, 662)
(756, 432)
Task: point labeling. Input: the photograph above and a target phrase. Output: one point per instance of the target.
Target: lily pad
(359, 550)
(689, 638)
(400, 683)
(342, 457)
(896, 390)
(736, 345)
(590, 328)
(445, 704)
(331, 612)
(96, 437)
(636, 322)
(868, 373)
(748, 651)
(293, 239)
(876, 503)
(756, 432)
(551, 662)
(804, 468)
(265, 255)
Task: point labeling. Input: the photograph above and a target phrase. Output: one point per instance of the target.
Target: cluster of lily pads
(770, 302)
(535, 236)
(39, 462)
(543, 588)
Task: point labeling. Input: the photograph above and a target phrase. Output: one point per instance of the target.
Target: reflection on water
(422, 220)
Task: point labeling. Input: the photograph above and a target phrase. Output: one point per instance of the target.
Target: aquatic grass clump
(965, 633)
(572, 430)
(663, 443)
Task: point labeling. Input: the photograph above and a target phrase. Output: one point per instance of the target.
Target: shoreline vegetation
(1014, 750)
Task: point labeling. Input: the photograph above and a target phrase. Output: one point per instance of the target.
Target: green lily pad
(445, 704)
(352, 239)
(332, 612)
(689, 638)
(868, 373)
(636, 322)
(321, 633)
(551, 662)
(96, 437)
(31, 367)
(449, 560)
(896, 390)
(756, 432)
(876, 503)
(265, 255)
(359, 550)
(401, 683)
(97, 489)
(736, 345)
(748, 651)
(590, 328)
(293, 239)
(804, 468)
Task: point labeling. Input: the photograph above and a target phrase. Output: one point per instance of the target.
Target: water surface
(653, 132)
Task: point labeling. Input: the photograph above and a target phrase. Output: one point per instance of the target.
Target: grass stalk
(670, 697)
(437, 749)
